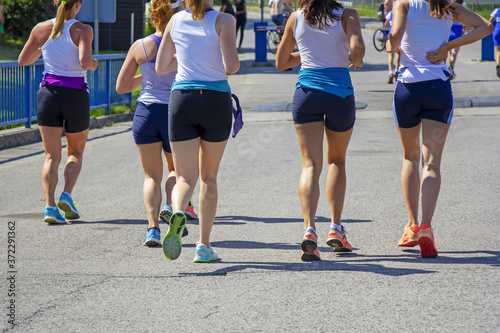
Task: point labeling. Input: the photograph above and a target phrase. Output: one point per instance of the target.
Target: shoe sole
(205, 260)
(151, 242)
(166, 215)
(427, 247)
(172, 244)
(69, 214)
(309, 245)
(409, 244)
(50, 220)
(190, 217)
(337, 245)
(309, 257)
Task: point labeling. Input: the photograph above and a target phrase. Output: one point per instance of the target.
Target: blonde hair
(197, 10)
(63, 6)
(161, 12)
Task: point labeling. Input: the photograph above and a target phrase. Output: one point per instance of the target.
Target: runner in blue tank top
(201, 43)
(150, 125)
(423, 102)
(63, 100)
(328, 37)
(457, 30)
(495, 19)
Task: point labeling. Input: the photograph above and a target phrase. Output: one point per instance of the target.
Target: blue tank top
(155, 89)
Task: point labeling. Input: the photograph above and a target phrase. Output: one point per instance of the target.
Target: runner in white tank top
(328, 39)
(423, 102)
(200, 114)
(63, 99)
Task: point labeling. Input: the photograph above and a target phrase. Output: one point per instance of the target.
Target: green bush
(22, 15)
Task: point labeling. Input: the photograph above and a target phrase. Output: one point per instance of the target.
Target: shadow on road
(218, 219)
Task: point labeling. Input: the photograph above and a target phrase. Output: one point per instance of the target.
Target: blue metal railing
(19, 86)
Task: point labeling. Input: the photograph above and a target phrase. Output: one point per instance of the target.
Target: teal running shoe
(52, 216)
(67, 204)
(204, 254)
(152, 237)
(172, 244)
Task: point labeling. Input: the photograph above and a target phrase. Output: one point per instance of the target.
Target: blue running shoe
(166, 213)
(172, 244)
(152, 237)
(67, 204)
(204, 254)
(52, 216)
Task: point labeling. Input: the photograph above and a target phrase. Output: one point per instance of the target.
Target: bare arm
(85, 49)
(31, 50)
(285, 57)
(127, 81)
(399, 12)
(165, 58)
(481, 28)
(352, 23)
(225, 26)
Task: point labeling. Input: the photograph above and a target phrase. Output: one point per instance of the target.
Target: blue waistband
(222, 85)
(333, 80)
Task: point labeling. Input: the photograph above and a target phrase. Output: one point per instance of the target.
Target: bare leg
(337, 143)
(310, 137)
(186, 158)
(434, 137)
(152, 164)
(453, 56)
(170, 182)
(210, 157)
(76, 144)
(51, 137)
(410, 176)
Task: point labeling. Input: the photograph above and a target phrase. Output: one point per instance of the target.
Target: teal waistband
(222, 85)
(333, 80)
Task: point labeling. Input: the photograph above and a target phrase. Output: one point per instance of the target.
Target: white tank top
(199, 57)
(61, 55)
(321, 48)
(423, 33)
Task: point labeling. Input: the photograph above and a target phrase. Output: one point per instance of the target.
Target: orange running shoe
(309, 246)
(190, 214)
(410, 237)
(426, 242)
(338, 240)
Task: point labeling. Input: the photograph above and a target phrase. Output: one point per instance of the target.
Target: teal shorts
(1, 29)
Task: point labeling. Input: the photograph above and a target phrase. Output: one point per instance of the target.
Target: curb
(24, 136)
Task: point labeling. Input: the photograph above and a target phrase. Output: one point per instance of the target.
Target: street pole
(96, 27)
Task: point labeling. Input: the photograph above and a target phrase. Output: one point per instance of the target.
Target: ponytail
(319, 13)
(197, 10)
(440, 8)
(161, 11)
(63, 6)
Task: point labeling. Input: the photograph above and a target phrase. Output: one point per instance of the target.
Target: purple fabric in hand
(238, 116)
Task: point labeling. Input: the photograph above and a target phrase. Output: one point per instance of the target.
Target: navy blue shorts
(68, 107)
(151, 125)
(312, 105)
(422, 100)
(496, 36)
(205, 114)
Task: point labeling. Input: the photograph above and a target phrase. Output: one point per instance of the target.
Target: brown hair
(319, 13)
(161, 12)
(197, 10)
(440, 8)
(63, 6)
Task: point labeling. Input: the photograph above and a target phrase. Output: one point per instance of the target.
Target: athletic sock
(337, 227)
(68, 194)
(311, 230)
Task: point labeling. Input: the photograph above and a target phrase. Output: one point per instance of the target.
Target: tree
(22, 15)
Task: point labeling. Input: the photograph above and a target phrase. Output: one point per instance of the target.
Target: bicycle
(380, 38)
(274, 38)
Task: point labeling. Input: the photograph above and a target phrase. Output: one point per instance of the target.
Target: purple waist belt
(73, 82)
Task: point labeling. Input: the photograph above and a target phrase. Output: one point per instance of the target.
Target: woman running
(421, 29)
(150, 125)
(328, 36)
(63, 100)
(241, 18)
(495, 17)
(202, 43)
(457, 30)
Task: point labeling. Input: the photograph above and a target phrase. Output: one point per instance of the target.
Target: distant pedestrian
(2, 18)
(241, 18)
(227, 7)
(150, 125)
(495, 18)
(63, 100)
(328, 37)
(202, 42)
(423, 102)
